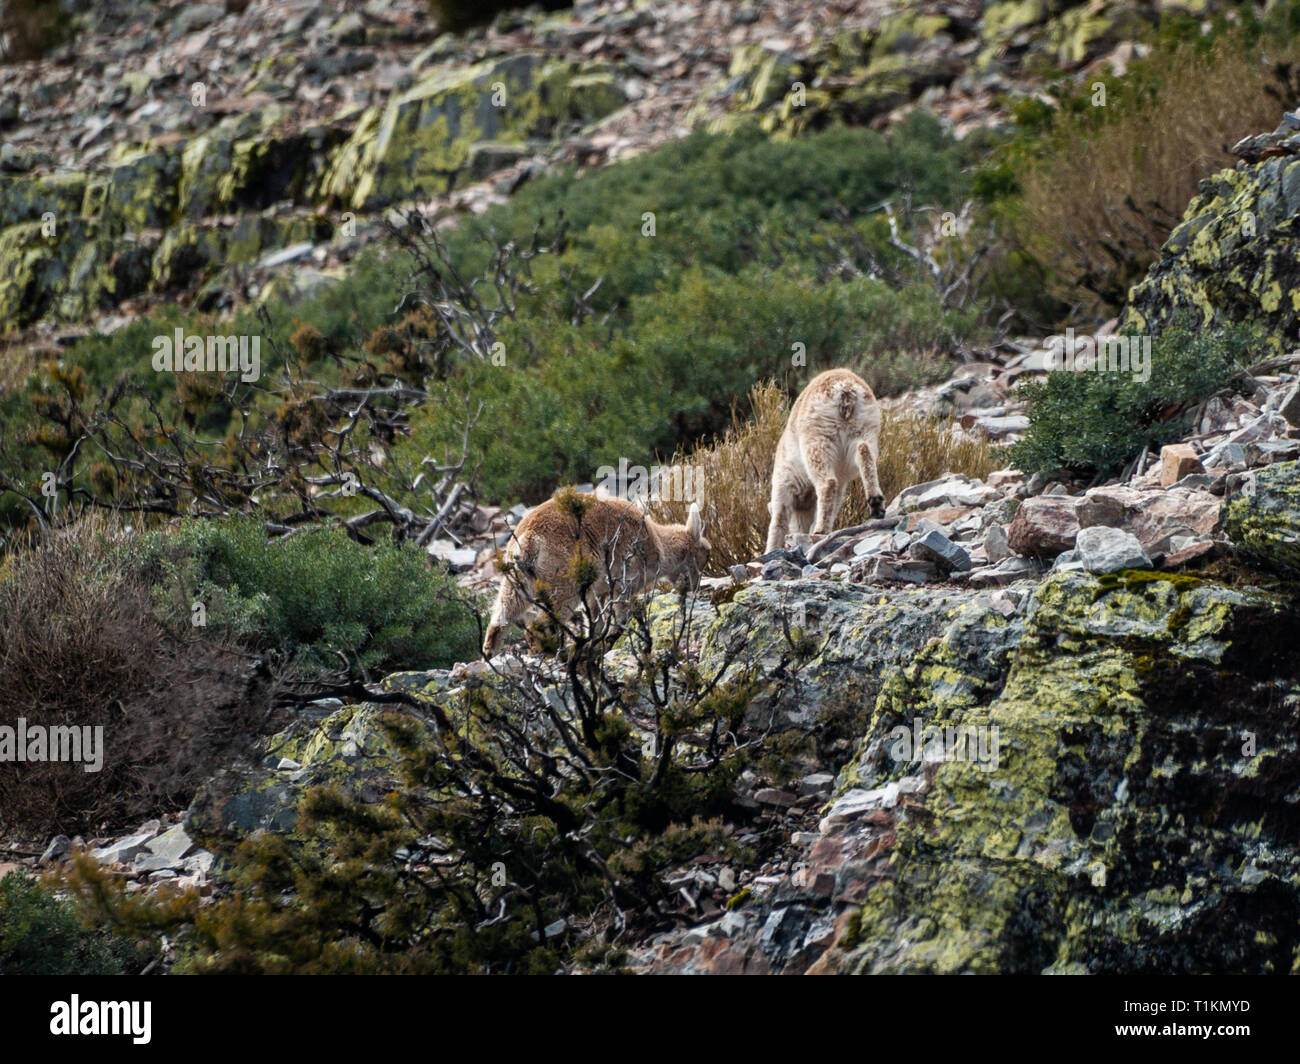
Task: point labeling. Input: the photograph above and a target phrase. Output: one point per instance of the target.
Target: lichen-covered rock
(142, 189)
(35, 265)
(1263, 518)
(1234, 258)
(855, 76)
(859, 635)
(424, 137)
(346, 746)
(28, 198)
(1133, 810)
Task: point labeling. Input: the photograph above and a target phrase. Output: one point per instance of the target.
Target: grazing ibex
(602, 543)
(833, 435)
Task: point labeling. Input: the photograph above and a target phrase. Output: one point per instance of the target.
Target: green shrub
(728, 202)
(318, 598)
(40, 934)
(1091, 422)
(538, 823)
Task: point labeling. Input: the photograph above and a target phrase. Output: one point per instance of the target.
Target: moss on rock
(1263, 519)
(1233, 258)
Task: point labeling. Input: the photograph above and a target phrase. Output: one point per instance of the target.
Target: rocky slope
(1063, 722)
(183, 150)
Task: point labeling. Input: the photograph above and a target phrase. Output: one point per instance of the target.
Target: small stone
(60, 846)
(458, 559)
(123, 851)
(1192, 554)
(146, 863)
(290, 254)
(1108, 550)
(1067, 562)
(997, 428)
(199, 863)
(1007, 571)
(995, 542)
(772, 796)
(1178, 460)
(1290, 408)
(172, 844)
(1005, 479)
(816, 783)
(739, 573)
(194, 17)
(937, 547)
(1007, 603)
(1045, 526)
(1214, 483)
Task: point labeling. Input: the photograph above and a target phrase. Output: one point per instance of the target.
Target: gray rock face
(1205, 255)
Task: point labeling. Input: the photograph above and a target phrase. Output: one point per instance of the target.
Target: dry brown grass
(1096, 213)
(737, 471)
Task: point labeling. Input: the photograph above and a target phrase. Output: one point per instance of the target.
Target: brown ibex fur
(627, 553)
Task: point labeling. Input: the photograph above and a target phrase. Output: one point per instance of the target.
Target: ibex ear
(695, 523)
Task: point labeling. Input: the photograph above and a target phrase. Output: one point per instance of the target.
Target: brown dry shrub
(80, 646)
(737, 471)
(1096, 211)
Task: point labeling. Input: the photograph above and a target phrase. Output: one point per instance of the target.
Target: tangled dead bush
(80, 648)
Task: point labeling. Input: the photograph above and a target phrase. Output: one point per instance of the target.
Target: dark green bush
(41, 934)
(319, 598)
(1091, 422)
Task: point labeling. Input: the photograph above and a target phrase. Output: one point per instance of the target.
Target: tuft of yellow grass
(736, 470)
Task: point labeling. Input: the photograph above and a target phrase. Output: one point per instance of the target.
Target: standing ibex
(833, 435)
(603, 545)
